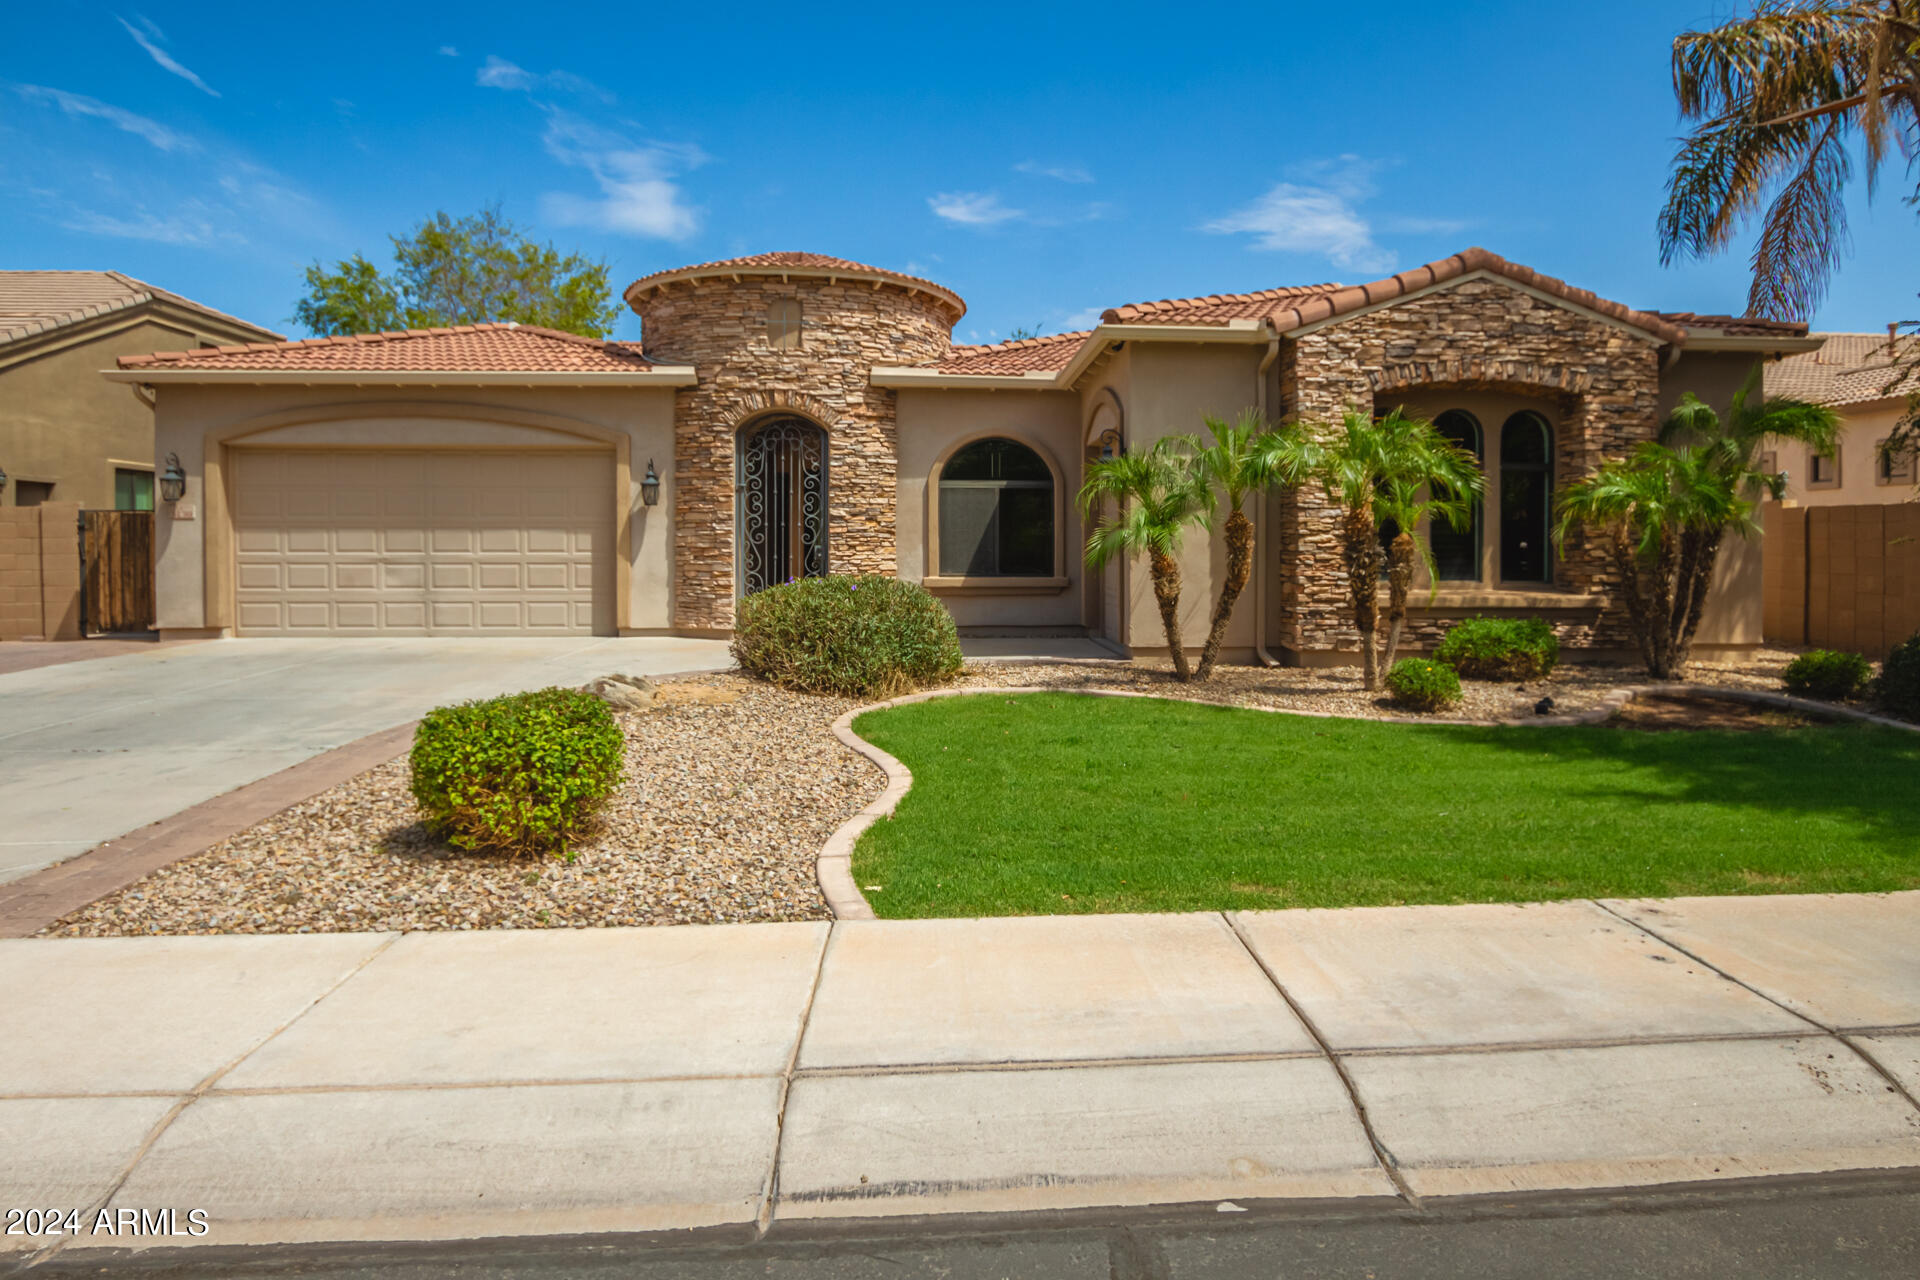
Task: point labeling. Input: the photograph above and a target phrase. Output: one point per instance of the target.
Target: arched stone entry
(781, 518)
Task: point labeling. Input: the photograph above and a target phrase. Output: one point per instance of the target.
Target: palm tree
(1663, 511)
(1239, 462)
(1374, 471)
(1779, 99)
(1436, 480)
(1157, 494)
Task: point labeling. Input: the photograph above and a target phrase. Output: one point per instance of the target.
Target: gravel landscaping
(731, 788)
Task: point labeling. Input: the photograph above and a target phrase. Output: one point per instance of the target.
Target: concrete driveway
(90, 751)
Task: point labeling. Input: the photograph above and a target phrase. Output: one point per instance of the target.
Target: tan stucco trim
(937, 581)
(217, 500)
(1708, 341)
(1598, 317)
(659, 376)
(1238, 332)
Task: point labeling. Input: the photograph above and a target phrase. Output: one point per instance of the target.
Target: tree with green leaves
(1666, 510)
(1239, 462)
(1156, 494)
(1398, 469)
(1779, 100)
(448, 271)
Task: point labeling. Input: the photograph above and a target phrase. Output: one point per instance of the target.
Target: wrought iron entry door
(782, 516)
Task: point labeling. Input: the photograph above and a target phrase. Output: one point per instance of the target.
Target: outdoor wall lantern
(650, 486)
(173, 481)
(3, 481)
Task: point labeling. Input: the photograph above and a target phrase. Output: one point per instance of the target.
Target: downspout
(1260, 654)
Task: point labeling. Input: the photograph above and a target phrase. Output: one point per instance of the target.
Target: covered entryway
(423, 542)
(782, 517)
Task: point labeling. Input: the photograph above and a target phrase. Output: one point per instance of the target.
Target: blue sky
(1044, 161)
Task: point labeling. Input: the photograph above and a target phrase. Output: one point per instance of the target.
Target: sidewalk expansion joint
(770, 1188)
(1381, 1153)
(1894, 1083)
(198, 1091)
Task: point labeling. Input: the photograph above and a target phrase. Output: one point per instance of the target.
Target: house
(66, 436)
(1867, 378)
(792, 414)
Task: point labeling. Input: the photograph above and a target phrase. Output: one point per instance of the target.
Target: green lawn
(1050, 803)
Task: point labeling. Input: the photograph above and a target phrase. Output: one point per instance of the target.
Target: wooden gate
(116, 555)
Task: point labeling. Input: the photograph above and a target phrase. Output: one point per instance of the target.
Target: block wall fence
(40, 572)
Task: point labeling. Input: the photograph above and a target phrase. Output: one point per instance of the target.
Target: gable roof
(1023, 355)
(1214, 308)
(1850, 368)
(805, 265)
(475, 352)
(35, 302)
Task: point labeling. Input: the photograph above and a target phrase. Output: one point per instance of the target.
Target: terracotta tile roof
(1048, 354)
(1214, 308)
(1737, 326)
(810, 264)
(33, 302)
(502, 348)
(1851, 368)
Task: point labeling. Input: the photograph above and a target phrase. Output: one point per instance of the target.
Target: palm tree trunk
(1166, 593)
(1666, 571)
(1695, 584)
(1239, 569)
(1400, 561)
(1361, 550)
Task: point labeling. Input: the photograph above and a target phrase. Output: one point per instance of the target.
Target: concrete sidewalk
(440, 1086)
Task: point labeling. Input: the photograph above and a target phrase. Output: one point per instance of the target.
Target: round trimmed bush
(1500, 649)
(1423, 684)
(858, 637)
(1898, 687)
(1827, 673)
(526, 773)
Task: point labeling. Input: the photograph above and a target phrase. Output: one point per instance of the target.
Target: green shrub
(1827, 673)
(1423, 684)
(521, 774)
(1500, 649)
(859, 637)
(1898, 688)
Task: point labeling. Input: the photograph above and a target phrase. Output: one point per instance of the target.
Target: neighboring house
(1867, 377)
(794, 414)
(65, 435)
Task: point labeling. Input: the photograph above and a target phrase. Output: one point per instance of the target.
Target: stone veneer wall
(1480, 334)
(719, 326)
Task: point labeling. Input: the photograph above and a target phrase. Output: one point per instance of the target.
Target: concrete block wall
(1843, 577)
(40, 572)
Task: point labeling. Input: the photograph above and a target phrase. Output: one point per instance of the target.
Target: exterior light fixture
(3, 481)
(173, 480)
(650, 486)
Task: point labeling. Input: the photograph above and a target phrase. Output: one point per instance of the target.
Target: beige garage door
(392, 542)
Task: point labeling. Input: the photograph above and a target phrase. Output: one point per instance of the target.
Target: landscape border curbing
(834, 865)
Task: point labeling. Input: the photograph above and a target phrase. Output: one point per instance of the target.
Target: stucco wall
(1864, 426)
(720, 327)
(931, 425)
(60, 421)
(448, 417)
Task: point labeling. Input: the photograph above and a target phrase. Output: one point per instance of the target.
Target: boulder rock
(624, 693)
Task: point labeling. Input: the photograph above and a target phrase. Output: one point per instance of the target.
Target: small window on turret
(783, 325)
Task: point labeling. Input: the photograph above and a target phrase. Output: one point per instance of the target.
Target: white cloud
(178, 228)
(638, 192)
(498, 73)
(972, 208)
(1058, 172)
(1315, 217)
(75, 104)
(147, 36)
(448, 51)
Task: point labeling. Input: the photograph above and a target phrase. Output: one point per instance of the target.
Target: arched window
(996, 512)
(783, 325)
(1526, 498)
(1456, 551)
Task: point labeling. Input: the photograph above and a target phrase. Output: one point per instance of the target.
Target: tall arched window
(996, 512)
(783, 325)
(1526, 498)
(1456, 551)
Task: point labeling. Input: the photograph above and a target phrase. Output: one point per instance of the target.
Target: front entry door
(782, 517)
